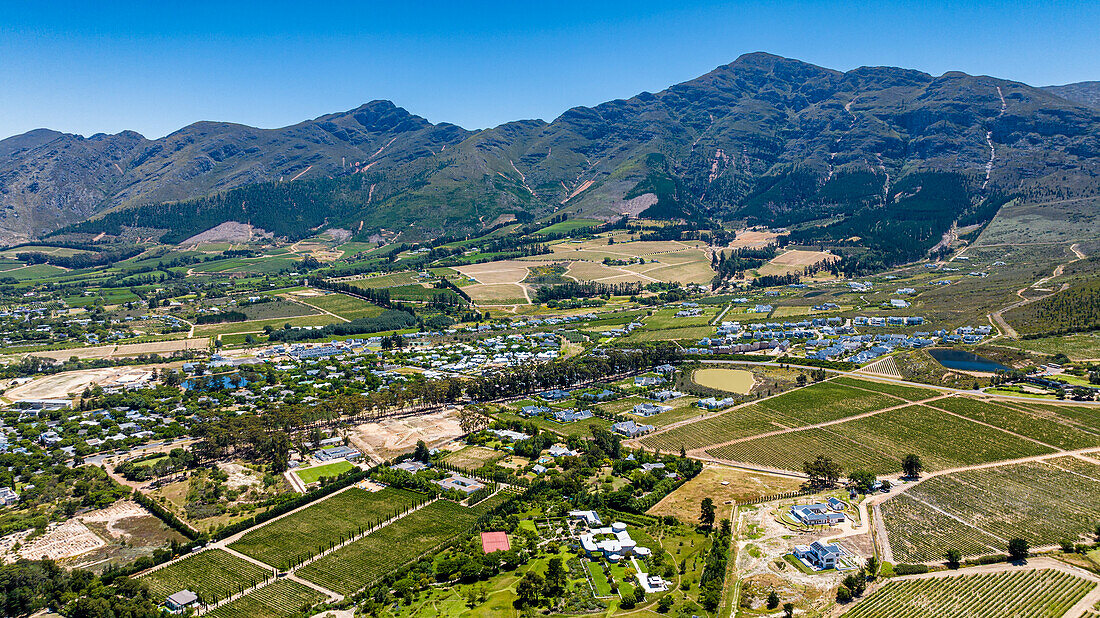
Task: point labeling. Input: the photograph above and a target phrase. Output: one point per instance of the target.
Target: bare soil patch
(392, 436)
(129, 349)
(739, 485)
(230, 231)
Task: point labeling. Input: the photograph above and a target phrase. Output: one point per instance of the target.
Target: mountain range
(763, 139)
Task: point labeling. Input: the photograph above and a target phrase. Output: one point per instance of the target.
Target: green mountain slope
(765, 139)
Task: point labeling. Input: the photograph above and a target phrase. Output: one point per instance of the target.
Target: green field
(212, 574)
(878, 442)
(1042, 593)
(1080, 346)
(568, 226)
(356, 565)
(347, 307)
(210, 330)
(825, 401)
(1043, 425)
(311, 475)
(909, 393)
(279, 599)
(979, 510)
(386, 281)
(277, 309)
(306, 532)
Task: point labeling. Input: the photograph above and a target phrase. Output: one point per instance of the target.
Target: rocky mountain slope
(1085, 93)
(764, 138)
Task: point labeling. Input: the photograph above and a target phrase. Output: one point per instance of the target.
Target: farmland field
(347, 307)
(386, 281)
(814, 404)
(258, 325)
(910, 393)
(1035, 501)
(277, 309)
(356, 565)
(301, 534)
(919, 533)
(473, 457)
(1042, 425)
(211, 574)
(1036, 593)
(278, 599)
(788, 451)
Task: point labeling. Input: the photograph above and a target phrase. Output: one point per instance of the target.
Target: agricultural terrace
(1034, 593)
(817, 403)
(1041, 502)
(729, 380)
(278, 599)
(357, 564)
(312, 529)
(1045, 425)
(211, 574)
(878, 442)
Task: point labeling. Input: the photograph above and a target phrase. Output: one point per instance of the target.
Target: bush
(843, 595)
(910, 569)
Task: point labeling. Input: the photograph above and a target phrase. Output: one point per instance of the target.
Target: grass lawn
(310, 475)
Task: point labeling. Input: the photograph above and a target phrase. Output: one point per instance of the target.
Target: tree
(843, 595)
(555, 578)
(954, 558)
(862, 479)
(788, 610)
(665, 604)
(912, 465)
(1018, 549)
(872, 567)
(472, 419)
(639, 595)
(529, 589)
(421, 453)
(856, 583)
(773, 600)
(822, 471)
(706, 516)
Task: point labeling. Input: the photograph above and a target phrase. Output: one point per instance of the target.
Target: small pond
(962, 360)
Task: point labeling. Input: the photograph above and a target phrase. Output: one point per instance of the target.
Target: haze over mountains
(765, 138)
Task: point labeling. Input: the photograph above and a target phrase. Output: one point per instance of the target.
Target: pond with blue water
(962, 360)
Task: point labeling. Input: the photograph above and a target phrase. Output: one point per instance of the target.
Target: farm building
(411, 466)
(181, 600)
(648, 380)
(816, 514)
(819, 555)
(337, 452)
(649, 409)
(631, 429)
(588, 517)
(461, 483)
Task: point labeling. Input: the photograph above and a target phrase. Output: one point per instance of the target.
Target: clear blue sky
(157, 65)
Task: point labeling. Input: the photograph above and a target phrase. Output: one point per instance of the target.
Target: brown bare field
(59, 385)
(740, 485)
(127, 349)
(392, 436)
(473, 457)
(794, 261)
(507, 271)
(497, 293)
(747, 238)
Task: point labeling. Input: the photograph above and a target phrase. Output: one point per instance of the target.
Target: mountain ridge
(722, 136)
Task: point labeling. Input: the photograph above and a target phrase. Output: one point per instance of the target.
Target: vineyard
(1076, 464)
(212, 574)
(909, 393)
(818, 403)
(878, 442)
(787, 451)
(357, 564)
(311, 530)
(1036, 594)
(276, 600)
(1045, 426)
(1038, 502)
(918, 533)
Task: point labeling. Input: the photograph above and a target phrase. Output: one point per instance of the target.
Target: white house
(816, 514)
